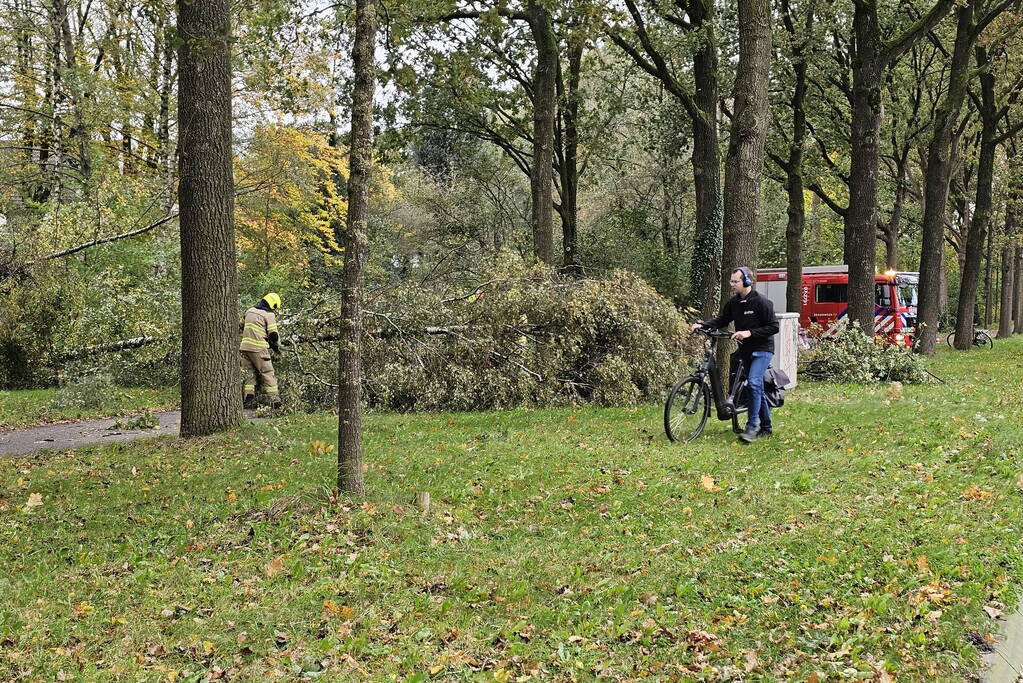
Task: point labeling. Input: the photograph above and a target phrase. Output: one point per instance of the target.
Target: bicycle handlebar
(714, 334)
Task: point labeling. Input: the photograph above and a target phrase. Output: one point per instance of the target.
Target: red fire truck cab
(825, 302)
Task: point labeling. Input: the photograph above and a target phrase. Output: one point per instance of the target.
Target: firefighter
(755, 327)
(259, 337)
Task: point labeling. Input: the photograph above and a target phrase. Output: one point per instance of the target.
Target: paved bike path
(64, 436)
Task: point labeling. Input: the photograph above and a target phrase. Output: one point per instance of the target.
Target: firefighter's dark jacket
(754, 313)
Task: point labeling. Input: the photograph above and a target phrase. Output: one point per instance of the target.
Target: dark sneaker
(765, 431)
(750, 434)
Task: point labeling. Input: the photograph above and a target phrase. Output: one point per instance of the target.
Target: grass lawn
(870, 538)
(39, 406)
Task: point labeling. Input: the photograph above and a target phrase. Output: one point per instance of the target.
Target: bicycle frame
(724, 405)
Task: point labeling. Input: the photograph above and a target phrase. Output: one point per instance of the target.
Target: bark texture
(349, 429)
(541, 178)
(211, 397)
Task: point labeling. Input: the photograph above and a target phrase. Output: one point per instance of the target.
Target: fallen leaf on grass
(992, 612)
(231, 496)
(344, 610)
(34, 501)
(704, 640)
(933, 592)
(707, 482)
(274, 567)
(83, 608)
(976, 493)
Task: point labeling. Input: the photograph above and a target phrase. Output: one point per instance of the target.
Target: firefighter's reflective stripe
(256, 328)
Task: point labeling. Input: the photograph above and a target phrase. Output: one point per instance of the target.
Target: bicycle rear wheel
(984, 340)
(951, 340)
(687, 409)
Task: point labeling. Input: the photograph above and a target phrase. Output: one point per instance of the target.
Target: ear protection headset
(747, 279)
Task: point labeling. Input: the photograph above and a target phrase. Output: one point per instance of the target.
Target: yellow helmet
(273, 300)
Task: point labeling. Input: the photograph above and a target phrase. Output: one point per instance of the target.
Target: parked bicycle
(981, 338)
(688, 405)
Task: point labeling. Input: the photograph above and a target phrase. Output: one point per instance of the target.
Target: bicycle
(688, 405)
(981, 338)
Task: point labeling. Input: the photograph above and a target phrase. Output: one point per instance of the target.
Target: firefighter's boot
(249, 401)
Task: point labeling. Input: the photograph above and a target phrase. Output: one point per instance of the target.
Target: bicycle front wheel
(984, 341)
(687, 409)
(951, 340)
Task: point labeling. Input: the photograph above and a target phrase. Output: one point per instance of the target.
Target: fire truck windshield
(907, 295)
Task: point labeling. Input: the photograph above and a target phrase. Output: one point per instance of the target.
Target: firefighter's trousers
(257, 369)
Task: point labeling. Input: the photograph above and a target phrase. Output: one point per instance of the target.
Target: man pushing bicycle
(755, 326)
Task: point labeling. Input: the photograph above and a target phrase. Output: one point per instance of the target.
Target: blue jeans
(759, 411)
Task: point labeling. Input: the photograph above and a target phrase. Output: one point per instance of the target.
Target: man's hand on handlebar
(742, 334)
(697, 327)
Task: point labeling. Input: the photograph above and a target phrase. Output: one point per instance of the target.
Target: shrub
(851, 356)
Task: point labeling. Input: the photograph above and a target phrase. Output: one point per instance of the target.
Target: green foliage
(88, 391)
(851, 356)
(523, 337)
(29, 321)
(144, 421)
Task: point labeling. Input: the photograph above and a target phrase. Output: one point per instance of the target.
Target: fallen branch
(105, 240)
(113, 347)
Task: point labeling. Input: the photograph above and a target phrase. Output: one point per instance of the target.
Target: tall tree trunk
(794, 187)
(79, 129)
(570, 162)
(210, 381)
(541, 180)
(861, 217)
(1006, 303)
(939, 169)
(349, 431)
(976, 237)
(1017, 294)
(890, 232)
(166, 86)
(705, 266)
(989, 279)
(745, 161)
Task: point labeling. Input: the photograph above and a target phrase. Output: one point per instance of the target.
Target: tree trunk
(745, 161)
(164, 155)
(79, 129)
(976, 237)
(989, 279)
(939, 168)
(1006, 304)
(705, 267)
(570, 163)
(1017, 294)
(794, 171)
(210, 383)
(861, 218)
(894, 224)
(349, 431)
(541, 180)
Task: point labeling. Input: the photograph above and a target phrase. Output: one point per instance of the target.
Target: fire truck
(825, 301)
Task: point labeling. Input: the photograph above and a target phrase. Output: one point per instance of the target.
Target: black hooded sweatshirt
(754, 313)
